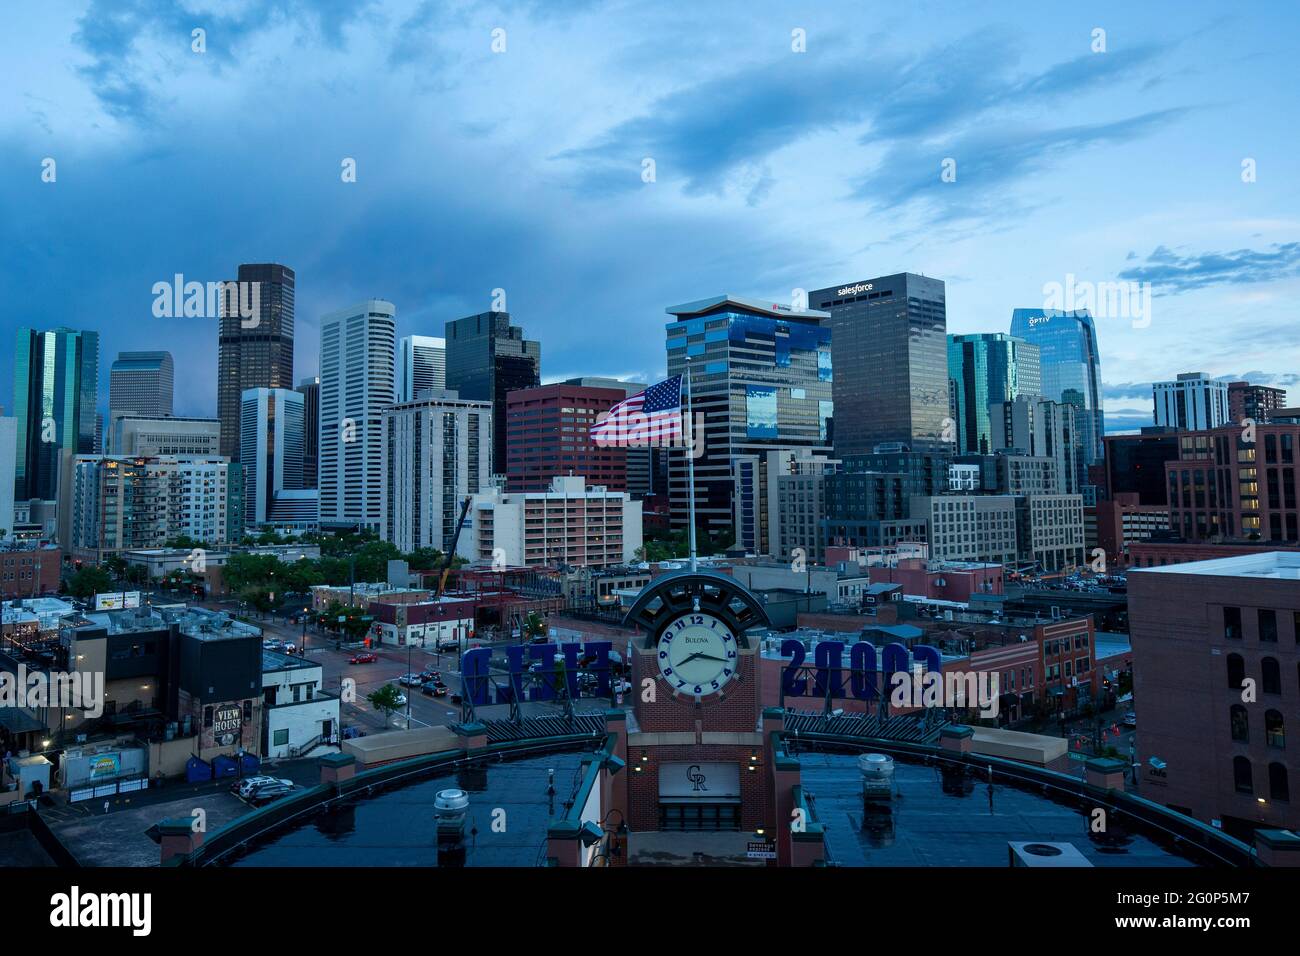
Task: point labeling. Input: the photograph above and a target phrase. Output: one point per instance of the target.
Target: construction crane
(450, 554)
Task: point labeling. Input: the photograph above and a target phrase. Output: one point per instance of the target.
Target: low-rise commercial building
(571, 524)
(1216, 647)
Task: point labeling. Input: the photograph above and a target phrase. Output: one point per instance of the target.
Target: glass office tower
(985, 368)
(890, 346)
(56, 380)
(1071, 368)
(486, 359)
(761, 378)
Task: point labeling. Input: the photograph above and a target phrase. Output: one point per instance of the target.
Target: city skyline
(128, 120)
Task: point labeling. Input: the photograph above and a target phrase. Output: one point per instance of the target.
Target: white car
(401, 700)
(251, 786)
(410, 680)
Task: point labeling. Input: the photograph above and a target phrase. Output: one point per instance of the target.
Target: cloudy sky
(524, 168)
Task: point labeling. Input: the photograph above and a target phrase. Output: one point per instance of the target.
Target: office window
(1278, 788)
(1236, 671)
(1268, 626)
(1239, 721)
(1272, 672)
(1231, 622)
(1275, 729)
(1242, 777)
(281, 738)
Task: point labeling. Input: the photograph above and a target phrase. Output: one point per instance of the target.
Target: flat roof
(1283, 565)
(765, 306)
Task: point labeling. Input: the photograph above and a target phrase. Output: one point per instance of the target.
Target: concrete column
(957, 738)
(472, 736)
(336, 768)
(1277, 847)
(179, 837)
(1105, 773)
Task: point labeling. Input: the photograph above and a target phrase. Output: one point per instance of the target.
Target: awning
(19, 721)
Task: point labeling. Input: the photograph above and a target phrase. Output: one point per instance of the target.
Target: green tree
(385, 700)
(89, 581)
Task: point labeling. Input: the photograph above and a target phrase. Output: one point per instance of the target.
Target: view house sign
(227, 723)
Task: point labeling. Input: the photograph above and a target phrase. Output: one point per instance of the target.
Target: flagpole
(690, 462)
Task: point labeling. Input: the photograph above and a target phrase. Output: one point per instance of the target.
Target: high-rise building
(140, 383)
(487, 359)
(647, 468)
(8, 466)
(548, 435)
(758, 517)
(357, 354)
(142, 435)
(437, 450)
(1071, 369)
(56, 379)
(257, 351)
(1041, 428)
(571, 523)
(270, 453)
(1228, 484)
(1192, 402)
(889, 337)
(1136, 463)
(310, 390)
(421, 364)
(1255, 402)
(983, 369)
(760, 381)
(127, 503)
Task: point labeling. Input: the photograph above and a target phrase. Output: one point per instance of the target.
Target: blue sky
(774, 170)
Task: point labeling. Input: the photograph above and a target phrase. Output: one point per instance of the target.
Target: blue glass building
(985, 368)
(761, 377)
(1071, 368)
(56, 381)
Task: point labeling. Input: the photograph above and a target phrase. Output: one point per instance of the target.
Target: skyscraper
(548, 436)
(421, 364)
(1071, 369)
(487, 358)
(984, 368)
(890, 347)
(270, 454)
(761, 379)
(140, 383)
(310, 389)
(357, 356)
(1192, 402)
(436, 451)
(254, 352)
(56, 379)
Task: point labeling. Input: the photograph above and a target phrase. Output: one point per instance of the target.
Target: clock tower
(695, 747)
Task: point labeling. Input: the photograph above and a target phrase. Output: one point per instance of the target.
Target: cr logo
(696, 777)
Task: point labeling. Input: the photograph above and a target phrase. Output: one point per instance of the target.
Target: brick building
(548, 435)
(29, 571)
(1216, 665)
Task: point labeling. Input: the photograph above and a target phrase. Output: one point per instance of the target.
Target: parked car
(362, 659)
(435, 688)
(248, 784)
(270, 791)
(448, 643)
(401, 700)
(410, 680)
(352, 733)
(426, 676)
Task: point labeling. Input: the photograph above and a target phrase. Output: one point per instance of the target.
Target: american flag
(649, 418)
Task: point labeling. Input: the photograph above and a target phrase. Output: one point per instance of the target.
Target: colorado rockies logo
(696, 777)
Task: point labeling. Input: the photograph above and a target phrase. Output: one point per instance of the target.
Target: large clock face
(697, 654)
